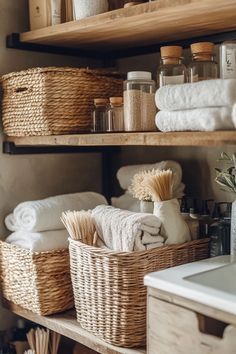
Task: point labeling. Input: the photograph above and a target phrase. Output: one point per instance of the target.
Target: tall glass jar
(139, 102)
(203, 66)
(99, 113)
(171, 70)
(115, 115)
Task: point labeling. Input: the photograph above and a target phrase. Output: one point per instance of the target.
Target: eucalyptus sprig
(226, 177)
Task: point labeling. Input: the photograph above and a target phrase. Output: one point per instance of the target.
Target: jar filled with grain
(99, 114)
(171, 71)
(139, 102)
(203, 65)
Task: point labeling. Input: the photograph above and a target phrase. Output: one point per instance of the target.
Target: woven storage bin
(110, 297)
(54, 100)
(39, 282)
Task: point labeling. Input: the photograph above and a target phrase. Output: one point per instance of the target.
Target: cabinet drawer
(176, 330)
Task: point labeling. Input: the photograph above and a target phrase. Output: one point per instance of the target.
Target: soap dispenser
(205, 219)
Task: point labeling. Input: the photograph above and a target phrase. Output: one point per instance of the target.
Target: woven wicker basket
(110, 297)
(39, 282)
(54, 100)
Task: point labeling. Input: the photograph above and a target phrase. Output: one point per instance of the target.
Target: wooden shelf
(131, 139)
(66, 324)
(142, 25)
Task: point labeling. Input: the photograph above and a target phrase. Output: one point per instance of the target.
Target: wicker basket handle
(20, 89)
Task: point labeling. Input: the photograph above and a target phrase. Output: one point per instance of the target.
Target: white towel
(122, 230)
(39, 242)
(126, 173)
(234, 115)
(44, 215)
(207, 93)
(201, 119)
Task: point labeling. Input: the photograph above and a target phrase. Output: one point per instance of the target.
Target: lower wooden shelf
(65, 323)
(216, 138)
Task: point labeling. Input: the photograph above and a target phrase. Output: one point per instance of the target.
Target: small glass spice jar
(115, 115)
(203, 66)
(171, 71)
(139, 102)
(99, 114)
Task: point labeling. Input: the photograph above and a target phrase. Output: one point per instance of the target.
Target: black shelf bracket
(12, 149)
(13, 41)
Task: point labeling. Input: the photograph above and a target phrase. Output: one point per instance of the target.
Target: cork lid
(202, 47)
(116, 100)
(101, 101)
(173, 51)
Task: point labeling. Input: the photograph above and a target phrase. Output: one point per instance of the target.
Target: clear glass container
(115, 115)
(99, 114)
(139, 102)
(228, 60)
(203, 65)
(171, 71)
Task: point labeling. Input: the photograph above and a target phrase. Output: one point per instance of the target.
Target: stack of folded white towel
(126, 173)
(202, 106)
(122, 230)
(36, 225)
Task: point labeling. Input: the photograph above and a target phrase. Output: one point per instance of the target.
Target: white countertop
(214, 287)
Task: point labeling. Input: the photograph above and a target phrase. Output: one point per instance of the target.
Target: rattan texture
(110, 297)
(39, 282)
(54, 100)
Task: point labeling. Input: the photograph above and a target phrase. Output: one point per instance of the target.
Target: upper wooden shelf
(141, 25)
(131, 139)
(66, 324)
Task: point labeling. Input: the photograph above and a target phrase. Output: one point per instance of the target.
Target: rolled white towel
(126, 173)
(207, 93)
(39, 242)
(44, 215)
(122, 230)
(201, 119)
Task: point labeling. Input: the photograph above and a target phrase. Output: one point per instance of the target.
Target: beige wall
(29, 177)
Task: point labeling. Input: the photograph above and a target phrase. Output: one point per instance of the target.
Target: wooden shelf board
(131, 139)
(66, 324)
(141, 25)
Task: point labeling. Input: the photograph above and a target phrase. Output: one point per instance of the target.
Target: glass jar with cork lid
(115, 115)
(203, 65)
(171, 70)
(99, 113)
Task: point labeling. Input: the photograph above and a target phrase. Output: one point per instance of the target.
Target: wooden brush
(80, 226)
(159, 184)
(54, 342)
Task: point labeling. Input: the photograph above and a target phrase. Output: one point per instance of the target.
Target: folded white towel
(39, 242)
(207, 93)
(126, 173)
(122, 230)
(201, 119)
(44, 215)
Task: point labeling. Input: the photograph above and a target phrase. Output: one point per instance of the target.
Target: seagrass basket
(110, 297)
(39, 282)
(54, 100)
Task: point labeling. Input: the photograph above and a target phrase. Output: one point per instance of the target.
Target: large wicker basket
(110, 297)
(54, 100)
(39, 282)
